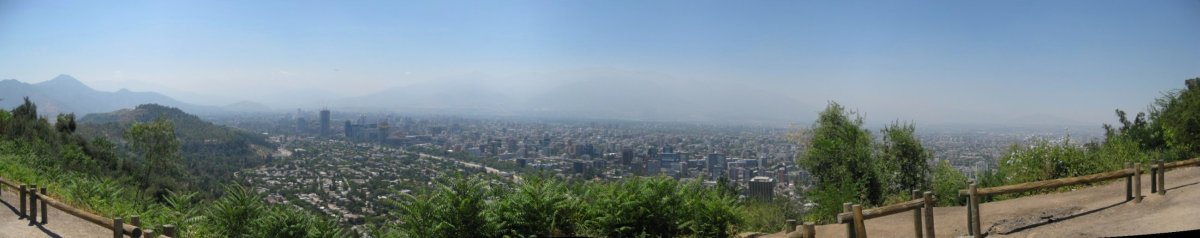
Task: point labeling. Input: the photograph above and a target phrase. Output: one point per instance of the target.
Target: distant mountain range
(602, 97)
(626, 96)
(606, 96)
(65, 94)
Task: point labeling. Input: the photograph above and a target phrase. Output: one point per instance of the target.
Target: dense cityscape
(350, 165)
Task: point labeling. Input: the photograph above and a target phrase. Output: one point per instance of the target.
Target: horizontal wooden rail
(1182, 163)
(922, 203)
(10, 184)
(1053, 183)
(128, 229)
(883, 211)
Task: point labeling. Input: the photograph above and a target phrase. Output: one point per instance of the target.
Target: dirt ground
(1099, 211)
(60, 225)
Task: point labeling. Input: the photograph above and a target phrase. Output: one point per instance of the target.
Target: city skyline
(943, 62)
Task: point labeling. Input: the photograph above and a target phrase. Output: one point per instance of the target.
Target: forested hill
(212, 152)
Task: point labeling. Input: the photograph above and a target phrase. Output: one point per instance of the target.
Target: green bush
(829, 198)
(454, 209)
(768, 216)
(636, 207)
(946, 182)
(1041, 161)
(233, 211)
(535, 207)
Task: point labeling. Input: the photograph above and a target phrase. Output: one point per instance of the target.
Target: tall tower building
(762, 188)
(384, 131)
(324, 122)
(301, 126)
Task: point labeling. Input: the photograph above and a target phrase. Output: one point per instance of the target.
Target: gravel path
(60, 225)
(1099, 211)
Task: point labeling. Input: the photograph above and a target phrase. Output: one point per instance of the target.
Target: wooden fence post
(1128, 183)
(1162, 177)
(118, 227)
(975, 207)
(929, 214)
(860, 227)
(135, 220)
(1137, 182)
(33, 211)
(916, 194)
(23, 207)
(847, 207)
(44, 210)
(791, 226)
(970, 209)
(809, 230)
(1153, 177)
(148, 233)
(169, 230)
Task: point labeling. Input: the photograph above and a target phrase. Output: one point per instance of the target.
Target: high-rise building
(626, 156)
(578, 167)
(385, 130)
(349, 129)
(653, 167)
(301, 125)
(762, 188)
(716, 165)
(324, 122)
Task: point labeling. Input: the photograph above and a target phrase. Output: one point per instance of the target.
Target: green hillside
(143, 176)
(211, 153)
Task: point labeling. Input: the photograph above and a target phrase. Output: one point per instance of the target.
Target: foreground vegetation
(636, 207)
(141, 175)
(849, 166)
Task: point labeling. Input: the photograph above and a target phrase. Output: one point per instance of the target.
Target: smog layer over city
(597, 118)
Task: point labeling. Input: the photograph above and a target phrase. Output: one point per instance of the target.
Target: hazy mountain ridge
(65, 94)
(442, 94)
(629, 96)
(666, 99)
(593, 94)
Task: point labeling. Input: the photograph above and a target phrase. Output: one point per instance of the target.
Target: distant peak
(64, 77)
(64, 80)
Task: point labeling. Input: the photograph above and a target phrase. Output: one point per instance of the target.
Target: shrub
(535, 207)
(946, 182)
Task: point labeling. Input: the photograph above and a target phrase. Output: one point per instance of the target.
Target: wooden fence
(30, 210)
(1131, 173)
(854, 216)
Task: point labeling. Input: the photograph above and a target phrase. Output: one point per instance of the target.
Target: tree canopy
(156, 145)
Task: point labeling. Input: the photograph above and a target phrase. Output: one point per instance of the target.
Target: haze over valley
(583, 118)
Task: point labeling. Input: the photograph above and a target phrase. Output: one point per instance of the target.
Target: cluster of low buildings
(347, 181)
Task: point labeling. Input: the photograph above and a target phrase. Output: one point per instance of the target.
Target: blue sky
(1075, 60)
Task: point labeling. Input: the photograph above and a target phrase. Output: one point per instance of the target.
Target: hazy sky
(1076, 60)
